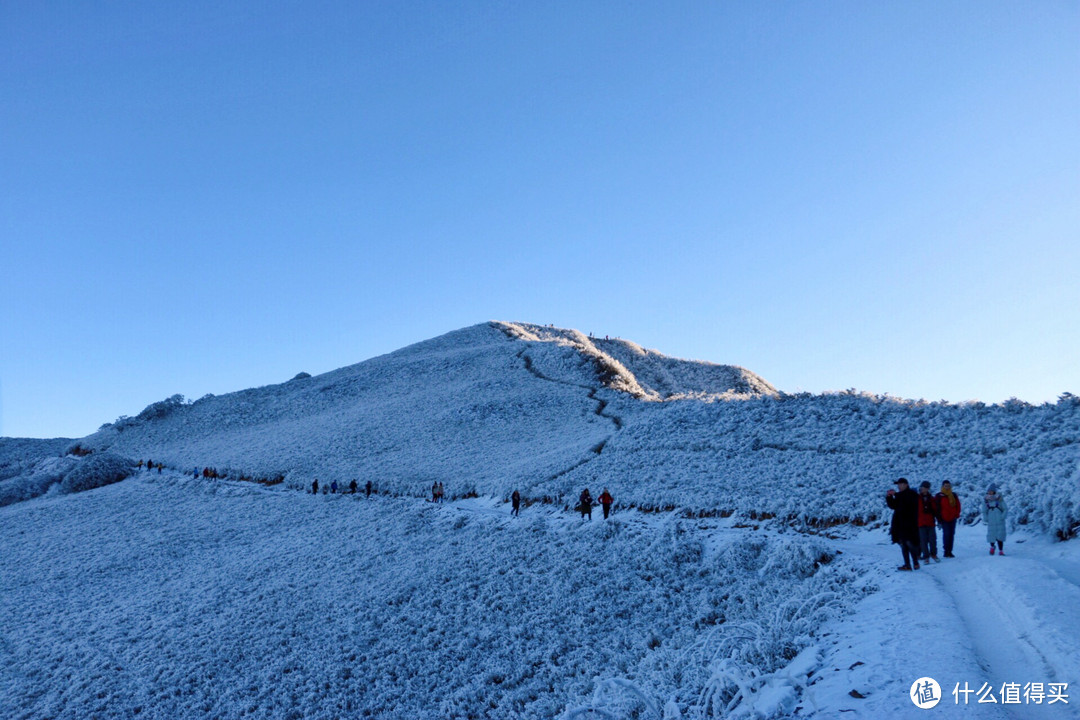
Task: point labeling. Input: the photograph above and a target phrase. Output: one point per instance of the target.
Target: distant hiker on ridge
(515, 501)
(367, 488)
(315, 486)
(352, 487)
(333, 487)
(605, 502)
(928, 515)
(948, 513)
(994, 512)
(585, 503)
(434, 492)
(905, 522)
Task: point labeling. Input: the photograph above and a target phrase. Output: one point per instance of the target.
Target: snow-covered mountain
(745, 572)
(500, 406)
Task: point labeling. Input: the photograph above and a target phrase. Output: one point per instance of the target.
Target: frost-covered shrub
(35, 480)
(95, 471)
(162, 409)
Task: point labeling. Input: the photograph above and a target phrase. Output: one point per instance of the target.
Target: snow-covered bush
(162, 409)
(95, 471)
(36, 480)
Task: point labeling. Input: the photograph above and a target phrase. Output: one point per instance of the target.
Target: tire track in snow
(1019, 636)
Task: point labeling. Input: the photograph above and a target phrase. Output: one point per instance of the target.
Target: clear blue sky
(202, 197)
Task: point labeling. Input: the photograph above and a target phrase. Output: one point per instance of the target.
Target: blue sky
(203, 197)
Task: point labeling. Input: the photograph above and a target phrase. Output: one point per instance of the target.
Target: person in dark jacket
(585, 503)
(333, 487)
(948, 514)
(515, 501)
(905, 522)
(352, 487)
(367, 488)
(605, 502)
(315, 486)
(928, 515)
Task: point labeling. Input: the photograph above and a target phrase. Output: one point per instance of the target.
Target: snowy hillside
(219, 599)
(500, 406)
(746, 572)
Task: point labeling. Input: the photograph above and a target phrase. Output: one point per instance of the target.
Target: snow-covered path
(974, 619)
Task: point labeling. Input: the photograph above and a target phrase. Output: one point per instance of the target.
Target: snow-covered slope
(168, 597)
(548, 411)
(732, 580)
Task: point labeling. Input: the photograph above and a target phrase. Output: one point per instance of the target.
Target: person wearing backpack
(515, 502)
(948, 514)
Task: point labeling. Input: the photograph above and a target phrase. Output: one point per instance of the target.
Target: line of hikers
(585, 500)
(333, 487)
(917, 515)
(149, 465)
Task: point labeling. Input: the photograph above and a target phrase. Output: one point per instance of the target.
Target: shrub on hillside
(95, 471)
(162, 409)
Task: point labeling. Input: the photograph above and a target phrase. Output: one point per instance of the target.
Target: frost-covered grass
(168, 597)
(164, 596)
(500, 406)
(830, 458)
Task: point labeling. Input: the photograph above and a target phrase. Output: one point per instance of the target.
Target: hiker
(434, 492)
(315, 486)
(585, 503)
(928, 515)
(441, 491)
(993, 513)
(140, 465)
(948, 514)
(149, 465)
(515, 500)
(352, 487)
(367, 488)
(605, 502)
(333, 487)
(905, 522)
(196, 473)
(159, 466)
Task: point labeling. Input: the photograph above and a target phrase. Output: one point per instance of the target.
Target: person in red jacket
(948, 514)
(605, 501)
(928, 514)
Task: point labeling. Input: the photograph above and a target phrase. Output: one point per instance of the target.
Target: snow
(746, 572)
(974, 619)
(175, 597)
